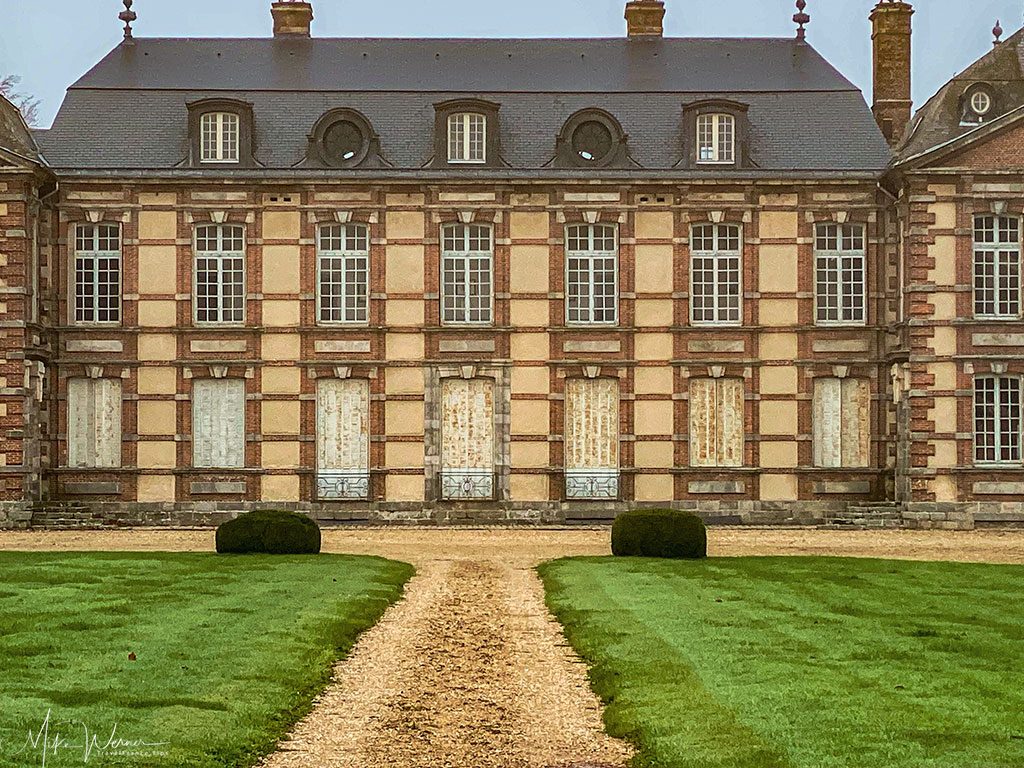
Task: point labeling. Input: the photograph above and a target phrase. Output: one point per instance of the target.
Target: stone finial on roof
(128, 16)
(997, 32)
(801, 17)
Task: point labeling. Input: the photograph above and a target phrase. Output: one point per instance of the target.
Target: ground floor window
(94, 423)
(997, 419)
(467, 439)
(218, 423)
(343, 438)
(842, 422)
(592, 438)
(716, 422)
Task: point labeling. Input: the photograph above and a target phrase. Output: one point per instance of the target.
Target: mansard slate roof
(939, 120)
(129, 112)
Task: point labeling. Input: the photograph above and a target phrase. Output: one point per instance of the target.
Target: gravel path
(469, 669)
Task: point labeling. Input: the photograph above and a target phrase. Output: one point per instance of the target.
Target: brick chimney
(644, 19)
(292, 18)
(890, 37)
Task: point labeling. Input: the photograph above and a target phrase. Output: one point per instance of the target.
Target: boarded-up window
(842, 422)
(716, 422)
(591, 438)
(218, 423)
(343, 438)
(94, 422)
(467, 439)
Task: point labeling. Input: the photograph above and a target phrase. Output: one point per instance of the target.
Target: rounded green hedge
(269, 532)
(659, 533)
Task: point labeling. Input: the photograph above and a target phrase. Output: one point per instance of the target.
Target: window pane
(997, 266)
(220, 274)
(716, 276)
(466, 273)
(97, 273)
(840, 276)
(592, 291)
(343, 275)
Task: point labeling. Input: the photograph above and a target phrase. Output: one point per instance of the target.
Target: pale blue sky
(51, 43)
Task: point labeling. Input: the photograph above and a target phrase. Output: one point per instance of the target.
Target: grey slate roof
(939, 120)
(129, 112)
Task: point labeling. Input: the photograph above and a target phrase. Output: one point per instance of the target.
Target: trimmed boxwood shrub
(659, 533)
(269, 532)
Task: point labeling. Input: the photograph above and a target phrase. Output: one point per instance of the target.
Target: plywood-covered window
(842, 422)
(218, 423)
(343, 438)
(997, 420)
(343, 289)
(94, 423)
(716, 422)
(467, 439)
(98, 273)
(997, 267)
(591, 438)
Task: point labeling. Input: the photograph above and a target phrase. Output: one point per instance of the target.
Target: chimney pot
(645, 19)
(292, 18)
(891, 38)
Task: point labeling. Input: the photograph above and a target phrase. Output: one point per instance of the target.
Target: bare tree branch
(26, 103)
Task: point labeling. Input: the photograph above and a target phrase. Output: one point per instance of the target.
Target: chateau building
(534, 280)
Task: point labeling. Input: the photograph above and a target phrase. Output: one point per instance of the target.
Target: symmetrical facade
(502, 280)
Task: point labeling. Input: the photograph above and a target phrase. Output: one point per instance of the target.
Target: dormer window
(219, 137)
(220, 133)
(981, 103)
(716, 138)
(716, 132)
(466, 132)
(592, 138)
(467, 138)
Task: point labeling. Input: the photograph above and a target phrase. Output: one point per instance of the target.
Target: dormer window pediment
(220, 133)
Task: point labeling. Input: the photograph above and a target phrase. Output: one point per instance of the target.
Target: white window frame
(998, 393)
(727, 260)
(224, 132)
(467, 138)
(349, 268)
(89, 262)
(584, 290)
(219, 256)
(840, 266)
(1004, 249)
(459, 262)
(716, 135)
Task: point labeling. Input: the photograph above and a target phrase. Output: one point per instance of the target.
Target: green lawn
(802, 662)
(230, 651)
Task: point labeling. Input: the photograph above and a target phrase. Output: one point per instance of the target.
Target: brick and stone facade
(890, 392)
